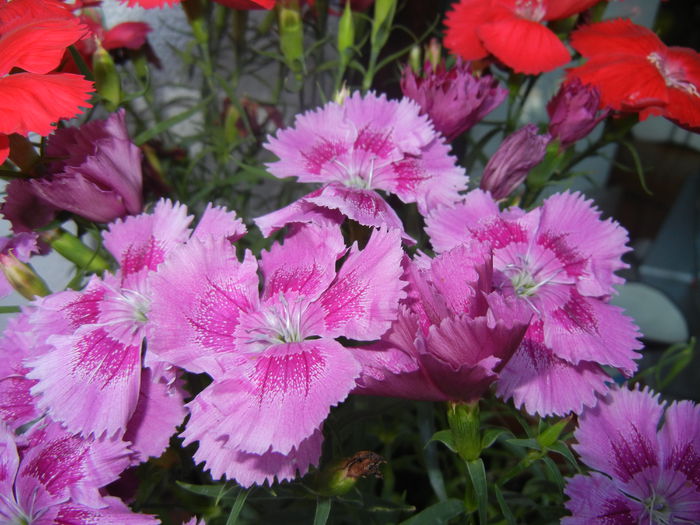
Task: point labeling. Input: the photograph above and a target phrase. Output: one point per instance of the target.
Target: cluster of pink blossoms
(513, 298)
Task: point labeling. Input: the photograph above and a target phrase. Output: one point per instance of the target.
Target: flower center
(360, 179)
(277, 323)
(674, 77)
(658, 510)
(530, 10)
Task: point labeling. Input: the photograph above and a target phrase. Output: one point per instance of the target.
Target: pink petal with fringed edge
(143, 241)
(90, 381)
(363, 301)
(602, 242)
(111, 511)
(364, 206)
(618, 437)
(596, 499)
(217, 221)
(158, 413)
(300, 211)
(544, 384)
(9, 463)
(277, 400)
(304, 265)
(585, 329)
(68, 466)
(198, 296)
(679, 441)
(256, 469)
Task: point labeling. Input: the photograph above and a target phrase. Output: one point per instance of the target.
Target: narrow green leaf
(10, 309)
(490, 436)
(477, 473)
(561, 448)
(637, 165)
(673, 361)
(551, 434)
(237, 507)
(437, 514)
(210, 491)
(323, 510)
(147, 135)
(505, 509)
(445, 437)
(554, 473)
(525, 443)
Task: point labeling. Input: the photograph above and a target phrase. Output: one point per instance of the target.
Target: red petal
(21, 12)
(461, 25)
(526, 46)
(4, 148)
(615, 36)
(30, 102)
(38, 47)
(683, 65)
(625, 83)
(150, 4)
(131, 35)
(557, 9)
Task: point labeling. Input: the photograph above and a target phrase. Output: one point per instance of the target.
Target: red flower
(511, 30)
(635, 71)
(34, 35)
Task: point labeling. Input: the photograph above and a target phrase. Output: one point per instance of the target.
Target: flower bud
(341, 476)
(292, 37)
(107, 81)
(464, 422)
(346, 33)
(515, 157)
(22, 277)
(573, 112)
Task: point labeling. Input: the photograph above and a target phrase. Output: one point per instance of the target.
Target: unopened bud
(107, 83)
(292, 37)
(340, 95)
(341, 476)
(22, 277)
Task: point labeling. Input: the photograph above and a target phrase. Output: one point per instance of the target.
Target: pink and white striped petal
(276, 401)
(217, 221)
(142, 241)
(89, 381)
(363, 300)
(198, 296)
(300, 211)
(111, 511)
(304, 265)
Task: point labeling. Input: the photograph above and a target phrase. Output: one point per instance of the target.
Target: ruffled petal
(525, 46)
(131, 35)
(461, 25)
(256, 469)
(363, 300)
(680, 447)
(143, 241)
(545, 384)
(9, 463)
(585, 329)
(300, 211)
(596, 499)
(217, 221)
(618, 438)
(304, 265)
(276, 401)
(612, 37)
(90, 381)
(111, 511)
(31, 102)
(198, 296)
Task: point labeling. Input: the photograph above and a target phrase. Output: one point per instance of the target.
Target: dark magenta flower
(96, 174)
(515, 157)
(454, 99)
(573, 112)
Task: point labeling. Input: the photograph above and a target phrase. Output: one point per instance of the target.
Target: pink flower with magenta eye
(274, 358)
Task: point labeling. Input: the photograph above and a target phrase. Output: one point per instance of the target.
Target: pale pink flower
(647, 471)
(93, 378)
(560, 260)
(276, 364)
(362, 145)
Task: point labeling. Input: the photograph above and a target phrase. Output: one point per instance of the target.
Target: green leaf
(561, 448)
(147, 135)
(525, 443)
(490, 436)
(505, 509)
(237, 507)
(477, 473)
(551, 434)
(323, 510)
(210, 491)
(637, 165)
(10, 309)
(446, 438)
(437, 514)
(673, 361)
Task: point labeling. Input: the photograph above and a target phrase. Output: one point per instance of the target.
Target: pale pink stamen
(530, 10)
(674, 77)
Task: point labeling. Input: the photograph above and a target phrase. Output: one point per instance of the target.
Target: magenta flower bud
(95, 173)
(573, 112)
(454, 100)
(515, 157)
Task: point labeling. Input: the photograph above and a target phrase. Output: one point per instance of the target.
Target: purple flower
(573, 112)
(515, 157)
(50, 476)
(559, 260)
(355, 148)
(454, 99)
(453, 334)
(646, 472)
(96, 174)
(276, 365)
